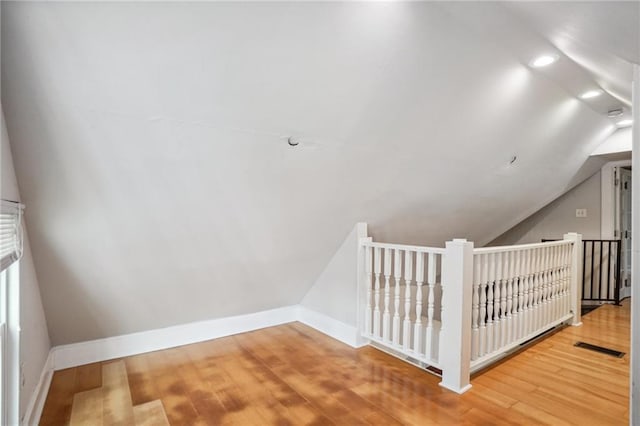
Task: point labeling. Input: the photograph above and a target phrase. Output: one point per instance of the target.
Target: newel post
(576, 276)
(455, 340)
(363, 284)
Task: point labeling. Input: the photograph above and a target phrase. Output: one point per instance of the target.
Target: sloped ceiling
(603, 37)
(150, 143)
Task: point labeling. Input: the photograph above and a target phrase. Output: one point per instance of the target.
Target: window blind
(10, 233)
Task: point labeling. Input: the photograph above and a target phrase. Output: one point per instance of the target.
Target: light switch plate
(581, 212)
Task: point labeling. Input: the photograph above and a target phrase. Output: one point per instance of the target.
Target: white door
(625, 231)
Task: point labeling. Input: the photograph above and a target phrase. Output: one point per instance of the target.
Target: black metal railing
(601, 263)
(601, 270)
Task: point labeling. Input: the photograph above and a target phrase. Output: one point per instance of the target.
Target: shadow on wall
(559, 217)
(520, 231)
(586, 171)
(85, 305)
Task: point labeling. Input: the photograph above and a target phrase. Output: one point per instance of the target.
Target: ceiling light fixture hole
(292, 142)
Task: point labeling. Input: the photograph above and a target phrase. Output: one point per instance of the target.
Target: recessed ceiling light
(625, 123)
(543, 61)
(591, 94)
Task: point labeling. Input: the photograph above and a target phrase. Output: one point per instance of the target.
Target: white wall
(559, 217)
(149, 140)
(335, 292)
(35, 343)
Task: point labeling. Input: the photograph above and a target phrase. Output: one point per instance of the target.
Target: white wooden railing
(403, 310)
(459, 309)
(518, 293)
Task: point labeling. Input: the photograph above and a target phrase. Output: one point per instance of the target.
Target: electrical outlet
(581, 212)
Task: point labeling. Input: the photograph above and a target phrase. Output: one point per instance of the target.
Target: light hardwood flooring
(294, 375)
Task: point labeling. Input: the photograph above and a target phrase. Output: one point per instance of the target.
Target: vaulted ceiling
(150, 139)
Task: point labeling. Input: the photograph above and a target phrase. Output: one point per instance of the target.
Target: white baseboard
(345, 333)
(39, 396)
(75, 354)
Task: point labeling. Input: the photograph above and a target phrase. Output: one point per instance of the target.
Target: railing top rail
(502, 249)
(420, 249)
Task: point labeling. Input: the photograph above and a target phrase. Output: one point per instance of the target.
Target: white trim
(608, 198)
(634, 400)
(347, 334)
(12, 350)
(39, 396)
(75, 354)
(459, 391)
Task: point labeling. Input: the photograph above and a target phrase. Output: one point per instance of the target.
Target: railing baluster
(377, 267)
(532, 292)
(550, 296)
(541, 287)
(558, 278)
(490, 301)
(615, 296)
(600, 272)
(483, 303)
(505, 303)
(552, 284)
(509, 268)
(417, 328)
(475, 308)
(567, 278)
(561, 273)
(443, 324)
(406, 325)
(545, 288)
(519, 297)
(482, 350)
(431, 283)
(386, 316)
(536, 289)
(497, 303)
(369, 312)
(397, 274)
(593, 281)
(528, 281)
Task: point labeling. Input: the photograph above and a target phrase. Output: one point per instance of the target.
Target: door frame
(609, 205)
(609, 199)
(625, 290)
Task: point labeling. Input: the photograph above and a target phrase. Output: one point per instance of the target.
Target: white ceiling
(597, 42)
(603, 37)
(609, 27)
(149, 140)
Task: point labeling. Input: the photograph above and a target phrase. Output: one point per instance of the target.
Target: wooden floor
(294, 375)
